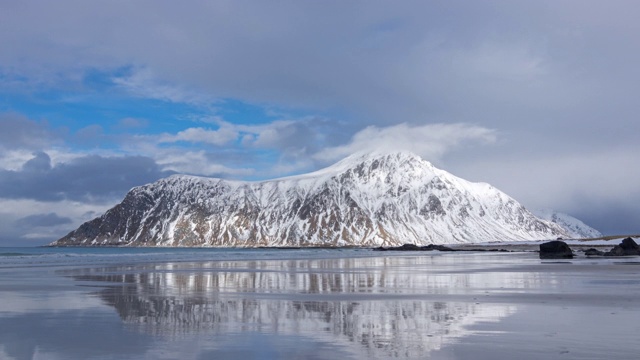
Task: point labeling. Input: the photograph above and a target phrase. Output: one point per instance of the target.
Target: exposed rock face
(555, 250)
(364, 200)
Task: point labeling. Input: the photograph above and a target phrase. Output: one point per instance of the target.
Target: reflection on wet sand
(378, 307)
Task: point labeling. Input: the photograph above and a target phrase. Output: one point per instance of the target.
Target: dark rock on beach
(630, 246)
(413, 247)
(627, 247)
(555, 250)
(615, 251)
(431, 247)
(593, 252)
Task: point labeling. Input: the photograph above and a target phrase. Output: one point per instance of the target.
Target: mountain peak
(394, 157)
(367, 199)
(576, 228)
(360, 162)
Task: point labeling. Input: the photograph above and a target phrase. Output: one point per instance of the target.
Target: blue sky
(537, 98)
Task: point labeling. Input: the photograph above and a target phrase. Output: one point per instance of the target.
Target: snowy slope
(574, 227)
(363, 200)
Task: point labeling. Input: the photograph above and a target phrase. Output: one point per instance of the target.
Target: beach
(314, 304)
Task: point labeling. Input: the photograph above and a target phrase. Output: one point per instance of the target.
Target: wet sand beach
(318, 304)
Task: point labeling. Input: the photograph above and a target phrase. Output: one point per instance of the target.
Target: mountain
(574, 227)
(364, 200)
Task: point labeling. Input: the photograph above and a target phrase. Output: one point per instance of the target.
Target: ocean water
(138, 303)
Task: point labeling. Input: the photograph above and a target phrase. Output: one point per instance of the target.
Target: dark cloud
(611, 218)
(41, 162)
(90, 178)
(42, 220)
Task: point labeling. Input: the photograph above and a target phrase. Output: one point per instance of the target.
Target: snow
(575, 227)
(364, 200)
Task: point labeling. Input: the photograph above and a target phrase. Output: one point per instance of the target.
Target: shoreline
(599, 241)
(578, 246)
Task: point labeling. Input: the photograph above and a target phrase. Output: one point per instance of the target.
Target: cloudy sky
(538, 98)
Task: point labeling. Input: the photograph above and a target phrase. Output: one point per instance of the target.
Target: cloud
(90, 178)
(306, 135)
(89, 134)
(552, 78)
(291, 141)
(430, 141)
(28, 222)
(143, 83)
(132, 123)
(19, 132)
(508, 66)
(600, 186)
(42, 220)
(222, 136)
(199, 163)
(40, 163)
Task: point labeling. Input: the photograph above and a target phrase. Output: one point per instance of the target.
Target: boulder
(627, 247)
(555, 250)
(615, 251)
(630, 247)
(593, 252)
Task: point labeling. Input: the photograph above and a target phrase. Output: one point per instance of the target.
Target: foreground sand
(347, 304)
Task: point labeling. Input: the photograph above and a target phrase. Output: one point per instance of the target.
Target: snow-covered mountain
(574, 227)
(363, 200)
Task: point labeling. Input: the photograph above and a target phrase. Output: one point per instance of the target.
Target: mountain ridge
(575, 227)
(364, 200)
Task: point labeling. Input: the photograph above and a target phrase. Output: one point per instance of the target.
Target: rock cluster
(560, 250)
(431, 247)
(413, 247)
(626, 247)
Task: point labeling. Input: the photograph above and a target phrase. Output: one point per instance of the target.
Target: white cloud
(279, 134)
(270, 135)
(143, 83)
(197, 163)
(430, 141)
(13, 160)
(222, 136)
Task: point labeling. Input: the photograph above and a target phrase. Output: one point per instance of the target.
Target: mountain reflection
(378, 307)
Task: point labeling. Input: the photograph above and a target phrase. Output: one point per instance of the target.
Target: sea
(211, 303)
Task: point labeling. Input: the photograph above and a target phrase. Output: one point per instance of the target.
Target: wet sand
(351, 305)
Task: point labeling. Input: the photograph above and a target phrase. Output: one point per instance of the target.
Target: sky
(538, 98)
